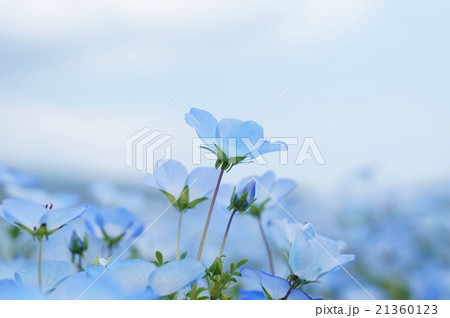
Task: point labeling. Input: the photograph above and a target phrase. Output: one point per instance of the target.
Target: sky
(378, 98)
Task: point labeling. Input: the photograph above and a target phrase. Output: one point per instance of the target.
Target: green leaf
(241, 262)
(220, 154)
(159, 257)
(236, 160)
(206, 148)
(194, 203)
(183, 200)
(170, 197)
(267, 294)
(183, 256)
(218, 163)
(23, 227)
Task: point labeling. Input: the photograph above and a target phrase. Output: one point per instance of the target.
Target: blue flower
(235, 138)
(312, 255)
(173, 276)
(121, 280)
(52, 273)
(270, 189)
(272, 287)
(34, 217)
(241, 200)
(184, 190)
(113, 225)
(59, 200)
(10, 291)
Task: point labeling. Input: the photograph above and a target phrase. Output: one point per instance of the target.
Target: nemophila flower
(174, 276)
(132, 275)
(59, 200)
(113, 225)
(120, 280)
(240, 201)
(77, 247)
(36, 219)
(232, 140)
(184, 190)
(10, 291)
(312, 255)
(52, 273)
(273, 287)
(244, 198)
(270, 191)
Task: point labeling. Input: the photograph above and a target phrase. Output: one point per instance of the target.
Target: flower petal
(173, 276)
(203, 122)
(25, 212)
(201, 182)
(171, 177)
(52, 273)
(59, 218)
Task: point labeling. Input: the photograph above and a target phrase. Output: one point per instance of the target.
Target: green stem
(80, 257)
(226, 233)
(177, 257)
(40, 263)
(205, 230)
(110, 250)
(266, 244)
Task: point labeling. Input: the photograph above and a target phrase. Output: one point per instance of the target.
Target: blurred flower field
(264, 238)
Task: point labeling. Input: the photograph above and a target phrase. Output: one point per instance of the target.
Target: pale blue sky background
(379, 97)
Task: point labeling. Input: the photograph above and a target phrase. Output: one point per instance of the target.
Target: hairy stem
(222, 247)
(180, 218)
(266, 244)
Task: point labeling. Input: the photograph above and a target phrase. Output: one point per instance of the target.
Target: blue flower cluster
(216, 241)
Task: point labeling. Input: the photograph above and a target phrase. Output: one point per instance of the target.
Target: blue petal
(173, 276)
(52, 273)
(251, 274)
(282, 188)
(252, 295)
(10, 291)
(59, 218)
(171, 177)
(132, 275)
(22, 211)
(276, 287)
(113, 221)
(267, 147)
(201, 182)
(6, 272)
(203, 122)
(312, 257)
(238, 138)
